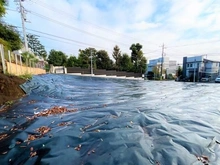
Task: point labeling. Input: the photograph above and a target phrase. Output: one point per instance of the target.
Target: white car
(217, 80)
(206, 79)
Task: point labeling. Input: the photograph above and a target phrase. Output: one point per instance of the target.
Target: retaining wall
(21, 70)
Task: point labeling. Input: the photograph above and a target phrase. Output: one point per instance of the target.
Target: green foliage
(179, 71)
(170, 77)
(26, 57)
(103, 61)
(36, 46)
(117, 56)
(11, 36)
(2, 7)
(135, 52)
(9, 103)
(84, 59)
(26, 76)
(125, 62)
(72, 61)
(47, 67)
(57, 58)
(137, 58)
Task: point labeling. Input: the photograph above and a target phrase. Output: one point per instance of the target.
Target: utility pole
(162, 60)
(23, 19)
(91, 62)
(194, 75)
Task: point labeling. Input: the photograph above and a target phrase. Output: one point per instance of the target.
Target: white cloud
(125, 22)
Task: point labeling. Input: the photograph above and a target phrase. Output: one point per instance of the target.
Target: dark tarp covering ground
(112, 121)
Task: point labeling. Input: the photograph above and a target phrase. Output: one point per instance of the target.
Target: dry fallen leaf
(3, 136)
(43, 130)
(33, 154)
(78, 147)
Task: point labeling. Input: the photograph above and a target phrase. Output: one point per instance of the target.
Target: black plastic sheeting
(117, 122)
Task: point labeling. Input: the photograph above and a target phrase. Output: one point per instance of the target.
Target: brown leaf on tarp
(3, 136)
(14, 129)
(31, 118)
(32, 102)
(52, 111)
(72, 110)
(32, 149)
(64, 123)
(32, 137)
(204, 159)
(33, 154)
(78, 147)
(86, 127)
(3, 153)
(91, 151)
(157, 163)
(97, 130)
(43, 130)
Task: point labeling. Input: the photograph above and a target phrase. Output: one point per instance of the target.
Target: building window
(190, 65)
(187, 65)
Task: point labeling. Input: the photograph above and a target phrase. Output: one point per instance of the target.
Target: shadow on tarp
(116, 122)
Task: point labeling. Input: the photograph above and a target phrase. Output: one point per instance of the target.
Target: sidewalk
(104, 76)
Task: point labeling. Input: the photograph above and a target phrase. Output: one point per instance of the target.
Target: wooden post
(21, 64)
(3, 58)
(16, 62)
(9, 57)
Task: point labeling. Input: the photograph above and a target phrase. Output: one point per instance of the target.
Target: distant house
(41, 62)
(198, 67)
(169, 66)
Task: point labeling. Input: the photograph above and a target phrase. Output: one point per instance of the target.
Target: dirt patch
(10, 89)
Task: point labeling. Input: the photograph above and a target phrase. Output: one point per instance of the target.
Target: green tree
(136, 56)
(103, 61)
(2, 7)
(156, 71)
(11, 36)
(125, 62)
(179, 71)
(143, 65)
(72, 61)
(117, 56)
(84, 57)
(27, 57)
(57, 58)
(35, 45)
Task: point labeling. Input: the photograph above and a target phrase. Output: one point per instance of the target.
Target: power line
(199, 43)
(45, 5)
(74, 28)
(63, 38)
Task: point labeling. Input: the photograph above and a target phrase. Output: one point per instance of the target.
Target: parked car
(217, 80)
(206, 79)
(149, 75)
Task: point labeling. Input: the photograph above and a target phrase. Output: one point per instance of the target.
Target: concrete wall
(102, 72)
(21, 70)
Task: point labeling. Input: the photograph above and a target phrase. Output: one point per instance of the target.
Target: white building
(169, 66)
(198, 67)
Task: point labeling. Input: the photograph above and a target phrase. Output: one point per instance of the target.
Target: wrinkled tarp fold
(112, 121)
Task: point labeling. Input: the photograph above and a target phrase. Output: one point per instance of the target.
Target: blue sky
(105, 23)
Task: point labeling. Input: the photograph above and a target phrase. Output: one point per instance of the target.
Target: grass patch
(26, 76)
